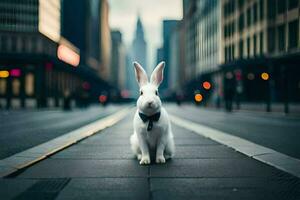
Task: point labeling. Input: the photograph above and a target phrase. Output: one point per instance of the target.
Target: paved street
(270, 130)
(20, 130)
(102, 167)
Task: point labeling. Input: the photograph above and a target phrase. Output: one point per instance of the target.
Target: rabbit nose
(150, 103)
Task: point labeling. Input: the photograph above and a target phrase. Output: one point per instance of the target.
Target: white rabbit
(152, 128)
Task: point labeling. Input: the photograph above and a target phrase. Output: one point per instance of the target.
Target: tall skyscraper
(168, 28)
(88, 29)
(118, 60)
(139, 45)
(138, 53)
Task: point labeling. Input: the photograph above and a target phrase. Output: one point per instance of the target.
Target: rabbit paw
(139, 156)
(160, 159)
(145, 160)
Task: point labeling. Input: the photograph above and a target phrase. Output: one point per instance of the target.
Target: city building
(189, 25)
(261, 48)
(208, 36)
(88, 30)
(139, 45)
(40, 60)
(168, 28)
(118, 61)
(32, 53)
(177, 77)
(159, 55)
(202, 34)
(138, 53)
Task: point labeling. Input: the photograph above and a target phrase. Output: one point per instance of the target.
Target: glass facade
(208, 35)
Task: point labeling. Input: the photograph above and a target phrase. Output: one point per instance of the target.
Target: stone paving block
(194, 141)
(85, 151)
(61, 168)
(44, 189)
(212, 168)
(206, 151)
(107, 141)
(10, 188)
(224, 194)
(106, 188)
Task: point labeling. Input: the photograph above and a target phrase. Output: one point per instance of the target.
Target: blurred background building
(236, 50)
(168, 27)
(223, 50)
(138, 52)
(118, 61)
(49, 53)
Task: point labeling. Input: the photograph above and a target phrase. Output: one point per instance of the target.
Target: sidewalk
(103, 167)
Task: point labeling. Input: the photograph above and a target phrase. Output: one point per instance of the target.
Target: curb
(263, 154)
(35, 154)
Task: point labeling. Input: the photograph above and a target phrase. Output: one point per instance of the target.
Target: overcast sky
(123, 16)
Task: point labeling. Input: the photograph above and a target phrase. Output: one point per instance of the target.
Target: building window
(241, 3)
(261, 42)
(14, 44)
(229, 53)
(281, 7)
(225, 31)
(248, 47)
(261, 9)
(2, 86)
(241, 48)
(271, 40)
(16, 87)
(293, 34)
(226, 54)
(233, 52)
(281, 38)
(3, 43)
(271, 9)
(255, 13)
(293, 4)
(254, 45)
(29, 84)
(248, 17)
(241, 22)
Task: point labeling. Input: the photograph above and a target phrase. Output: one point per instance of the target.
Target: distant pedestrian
(229, 90)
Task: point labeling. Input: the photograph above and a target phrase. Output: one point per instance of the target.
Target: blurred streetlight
(265, 76)
(103, 99)
(206, 85)
(4, 74)
(198, 98)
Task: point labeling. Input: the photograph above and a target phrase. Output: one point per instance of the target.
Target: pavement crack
(149, 183)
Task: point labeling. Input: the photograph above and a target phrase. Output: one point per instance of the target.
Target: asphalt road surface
(103, 167)
(23, 129)
(274, 131)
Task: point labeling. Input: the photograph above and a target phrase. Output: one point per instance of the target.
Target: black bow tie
(151, 119)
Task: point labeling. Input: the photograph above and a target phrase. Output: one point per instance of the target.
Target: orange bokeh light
(198, 97)
(4, 74)
(265, 76)
(206, 85)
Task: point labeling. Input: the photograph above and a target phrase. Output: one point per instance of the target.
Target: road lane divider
(35, 154)
(266, 155)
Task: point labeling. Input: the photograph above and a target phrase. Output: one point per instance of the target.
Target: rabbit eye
(141, 93)
(156, 92)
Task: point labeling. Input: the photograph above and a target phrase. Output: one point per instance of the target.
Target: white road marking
(30, 156)
(266, 155)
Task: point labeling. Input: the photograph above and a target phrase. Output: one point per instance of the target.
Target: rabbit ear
(158, 74)
(140, 74)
